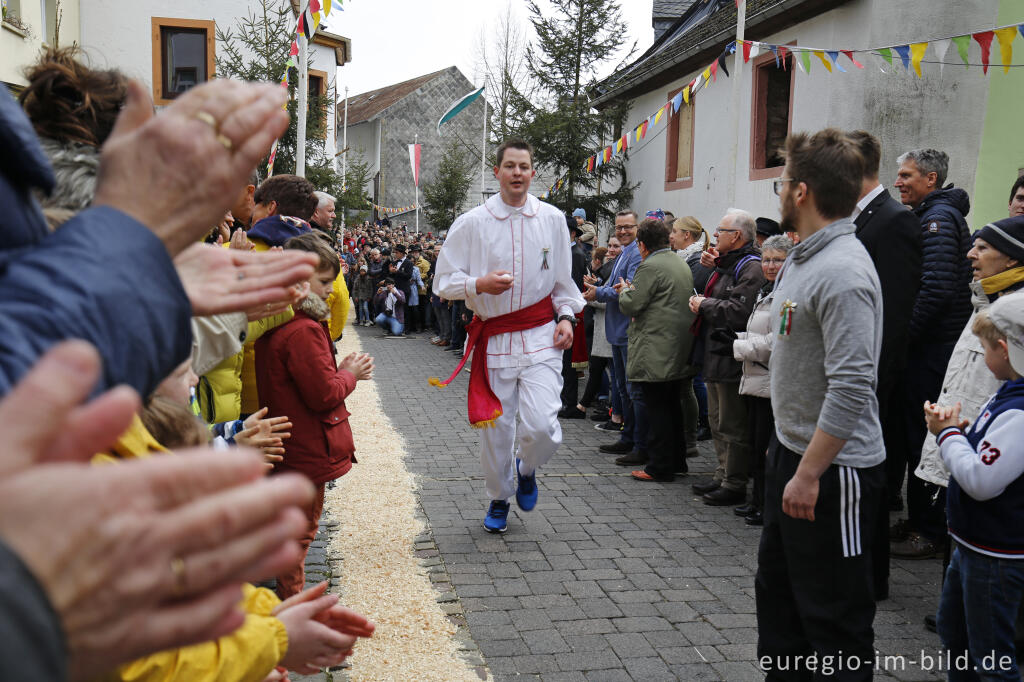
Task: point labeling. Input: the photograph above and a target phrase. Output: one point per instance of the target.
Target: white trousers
(533, 394)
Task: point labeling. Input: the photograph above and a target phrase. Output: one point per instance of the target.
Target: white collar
(867, 199)
(501, 211)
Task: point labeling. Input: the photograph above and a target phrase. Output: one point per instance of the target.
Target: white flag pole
(300, 137)
(416, 141)
(483, 156)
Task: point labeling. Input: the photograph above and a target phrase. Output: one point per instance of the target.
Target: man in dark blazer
(892, 236)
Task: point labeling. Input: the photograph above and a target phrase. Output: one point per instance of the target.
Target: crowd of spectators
(688, 335)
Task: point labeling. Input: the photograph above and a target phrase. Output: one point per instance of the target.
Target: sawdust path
(375, 505)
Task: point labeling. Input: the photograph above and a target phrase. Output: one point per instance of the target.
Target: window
(679, 147)
(183, 52)
(771, 115)
(317, 90)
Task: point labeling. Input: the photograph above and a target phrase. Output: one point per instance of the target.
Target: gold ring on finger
(225, 141)
(178, 571)
(207, 118)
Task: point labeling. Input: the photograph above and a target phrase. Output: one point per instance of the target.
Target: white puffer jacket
(754, 348)
(968, 381)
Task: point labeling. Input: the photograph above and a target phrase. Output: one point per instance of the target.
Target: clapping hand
(219, 280)
(267, 435)
(941, 417)
(360, 364)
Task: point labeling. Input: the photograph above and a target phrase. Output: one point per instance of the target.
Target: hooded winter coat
(298, 376)
(943, 302)
(275, 231)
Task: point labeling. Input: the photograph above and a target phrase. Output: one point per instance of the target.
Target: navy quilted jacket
(943, 303)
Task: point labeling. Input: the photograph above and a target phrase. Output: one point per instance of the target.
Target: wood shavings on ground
(380, 576)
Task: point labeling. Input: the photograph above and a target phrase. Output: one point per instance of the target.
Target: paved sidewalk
(609, 578)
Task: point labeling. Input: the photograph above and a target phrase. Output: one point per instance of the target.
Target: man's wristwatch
(571, 319)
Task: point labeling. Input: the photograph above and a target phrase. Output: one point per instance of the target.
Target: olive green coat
(659, 303)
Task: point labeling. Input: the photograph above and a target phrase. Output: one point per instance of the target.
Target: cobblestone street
(609, 578)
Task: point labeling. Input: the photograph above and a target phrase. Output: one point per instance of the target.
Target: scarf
(996, 283)
(484, 408)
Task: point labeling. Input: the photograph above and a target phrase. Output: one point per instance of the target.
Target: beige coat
(753, 348)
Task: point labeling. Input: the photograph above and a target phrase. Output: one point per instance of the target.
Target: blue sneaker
(497, 514)
(526, 491)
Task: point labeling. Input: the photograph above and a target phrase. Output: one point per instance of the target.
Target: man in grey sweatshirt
(824, 476)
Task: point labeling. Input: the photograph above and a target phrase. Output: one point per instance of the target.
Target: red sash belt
(484, 406)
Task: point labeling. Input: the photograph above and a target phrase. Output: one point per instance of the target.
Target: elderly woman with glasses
(753, 348)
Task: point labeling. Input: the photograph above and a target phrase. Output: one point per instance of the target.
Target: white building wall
(945, 111)
(20, 48)
(118, 34)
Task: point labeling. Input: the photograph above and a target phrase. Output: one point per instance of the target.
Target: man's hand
(800, 496)
(145, 555)
(563, 335)
(695, 302)
(621, 285)
(177, 172)
(496, 282)
(708, 258)
(219, 280)
(589, 292)
(941, 417)
(360, 364)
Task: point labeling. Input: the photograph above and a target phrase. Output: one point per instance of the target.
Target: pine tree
(353, 199)
(256, 49)
(445, 194)
(572, 43)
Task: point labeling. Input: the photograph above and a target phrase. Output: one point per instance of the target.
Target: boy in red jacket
(297, 375)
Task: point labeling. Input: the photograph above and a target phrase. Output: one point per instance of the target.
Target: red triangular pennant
(985, 40)
(849, 53)
(746, 51)
(714, 72)
(295, 49)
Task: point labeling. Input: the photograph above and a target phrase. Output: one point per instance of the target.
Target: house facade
(384, 122)
(170, 45)
(722, 151)
(28, 26)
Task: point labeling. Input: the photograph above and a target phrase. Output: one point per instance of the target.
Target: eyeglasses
(626, 227)
(725, 229)
(777, 185)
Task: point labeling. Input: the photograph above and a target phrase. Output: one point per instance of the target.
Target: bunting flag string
(306, 25)
(911, 56)
(392, 211)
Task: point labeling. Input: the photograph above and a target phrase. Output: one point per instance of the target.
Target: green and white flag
(457, 106)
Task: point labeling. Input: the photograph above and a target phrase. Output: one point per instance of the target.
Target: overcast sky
(396, 40)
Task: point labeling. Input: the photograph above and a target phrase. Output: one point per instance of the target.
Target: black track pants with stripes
(815, 601)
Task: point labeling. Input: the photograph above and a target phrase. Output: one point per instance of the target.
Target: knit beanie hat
(1006, 236)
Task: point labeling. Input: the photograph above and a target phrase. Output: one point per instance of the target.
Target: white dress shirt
(867, 199)
(496, 236)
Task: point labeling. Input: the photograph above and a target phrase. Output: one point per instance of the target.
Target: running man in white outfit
(509, 260)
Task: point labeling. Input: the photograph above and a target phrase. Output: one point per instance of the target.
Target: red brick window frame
(679, 171)
(771, 113)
